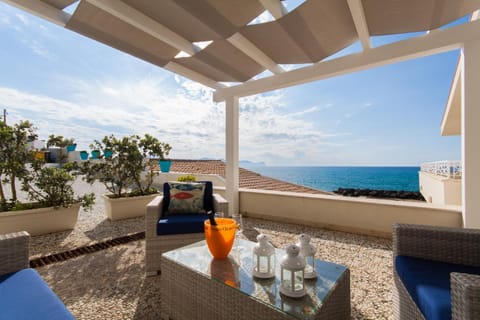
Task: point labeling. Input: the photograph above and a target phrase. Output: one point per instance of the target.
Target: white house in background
(441, 181)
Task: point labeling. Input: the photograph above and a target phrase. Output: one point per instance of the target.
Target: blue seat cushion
(24, 295)
(179, 224)
(428, 283)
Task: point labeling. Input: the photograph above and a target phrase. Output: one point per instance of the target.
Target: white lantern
(263, 258)
(308, 252)
(292, 268)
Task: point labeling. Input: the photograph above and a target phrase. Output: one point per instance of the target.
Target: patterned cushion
(186, 198)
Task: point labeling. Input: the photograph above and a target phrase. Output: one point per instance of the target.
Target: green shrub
(128, 171)
(187, 178)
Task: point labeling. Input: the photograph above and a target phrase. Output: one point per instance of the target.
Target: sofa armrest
(453, 245)
(465, 295)
(220, 204)
(14, 252)
(154, 211)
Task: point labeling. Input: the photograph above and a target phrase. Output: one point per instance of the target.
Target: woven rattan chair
(156, 244)
(23, 292)
(449, 245)
(14, 252)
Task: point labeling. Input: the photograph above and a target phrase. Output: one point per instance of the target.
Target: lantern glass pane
(287, 279)
(263, 268)
(298, 280)
(271, 263)
(310, 267)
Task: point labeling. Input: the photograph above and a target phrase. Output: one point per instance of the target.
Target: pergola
(169, 33)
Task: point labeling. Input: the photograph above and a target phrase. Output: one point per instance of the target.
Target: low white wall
(365, 216)
(440, 190)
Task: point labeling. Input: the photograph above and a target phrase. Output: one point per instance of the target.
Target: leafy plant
(59, 141)
(52, 187)
(14, 155)
(128, 171)
(153, 148)
(187, 178)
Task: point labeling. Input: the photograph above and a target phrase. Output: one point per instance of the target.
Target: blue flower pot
(84, 155)
(71, 147)
(95, 154)
(165, 165)
(108, 154)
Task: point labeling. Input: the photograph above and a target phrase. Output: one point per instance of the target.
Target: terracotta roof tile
(248, 179)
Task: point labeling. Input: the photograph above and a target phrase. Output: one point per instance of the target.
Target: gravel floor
(110, 284)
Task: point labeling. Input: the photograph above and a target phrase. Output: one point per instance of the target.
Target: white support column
(470, 135)
(231, 146)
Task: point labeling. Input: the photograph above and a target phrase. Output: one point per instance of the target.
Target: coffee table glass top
(235, 271)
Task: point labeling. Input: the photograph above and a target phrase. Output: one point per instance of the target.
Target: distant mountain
(241, 163)
(248, 163)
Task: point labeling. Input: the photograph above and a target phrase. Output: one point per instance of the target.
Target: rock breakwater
(382, 194)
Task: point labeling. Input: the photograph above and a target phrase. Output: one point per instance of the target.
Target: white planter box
(39, 221)
(124, 208)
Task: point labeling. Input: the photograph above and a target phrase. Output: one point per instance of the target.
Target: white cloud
(23, 19)
(37, 48)
(309, 110)
(184, 116)
(4, 19)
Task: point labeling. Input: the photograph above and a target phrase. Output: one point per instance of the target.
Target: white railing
(448, 168)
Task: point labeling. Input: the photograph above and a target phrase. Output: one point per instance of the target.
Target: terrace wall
(358, 215)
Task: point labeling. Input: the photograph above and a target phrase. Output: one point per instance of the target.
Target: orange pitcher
(220, 237)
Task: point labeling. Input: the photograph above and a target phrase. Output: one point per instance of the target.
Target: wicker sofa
(23, 293)
(156, 244)
(436, 272)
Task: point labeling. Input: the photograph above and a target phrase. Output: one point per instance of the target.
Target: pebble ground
(111, 284)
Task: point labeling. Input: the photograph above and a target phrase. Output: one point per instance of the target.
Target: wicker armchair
(14, 252)
(156, 244)
(439, 244)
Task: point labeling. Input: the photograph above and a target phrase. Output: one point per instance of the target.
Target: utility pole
(5, 116)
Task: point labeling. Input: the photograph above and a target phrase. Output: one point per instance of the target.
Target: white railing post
(451, 169)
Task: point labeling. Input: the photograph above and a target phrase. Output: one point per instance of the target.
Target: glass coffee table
(197, 286)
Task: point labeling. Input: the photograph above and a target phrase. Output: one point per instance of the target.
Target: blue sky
(69, 85)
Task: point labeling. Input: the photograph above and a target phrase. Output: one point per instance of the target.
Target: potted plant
(156, 149)
(95, 154)
(53, 206)
(83, 155)
(127, 174)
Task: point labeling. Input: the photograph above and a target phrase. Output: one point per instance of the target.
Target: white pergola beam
(358, 15)
(141, 21)
(251, 50)
(275, 7)
(231, 149)
(452, 103)
(193, 75)
(470, 133)
(433, 43)
(42, 10)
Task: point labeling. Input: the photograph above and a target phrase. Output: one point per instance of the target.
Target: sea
(332, 178)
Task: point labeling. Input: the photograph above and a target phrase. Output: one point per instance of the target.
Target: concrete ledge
(357, 215)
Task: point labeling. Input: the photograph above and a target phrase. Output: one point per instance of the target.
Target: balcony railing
(448, 168)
